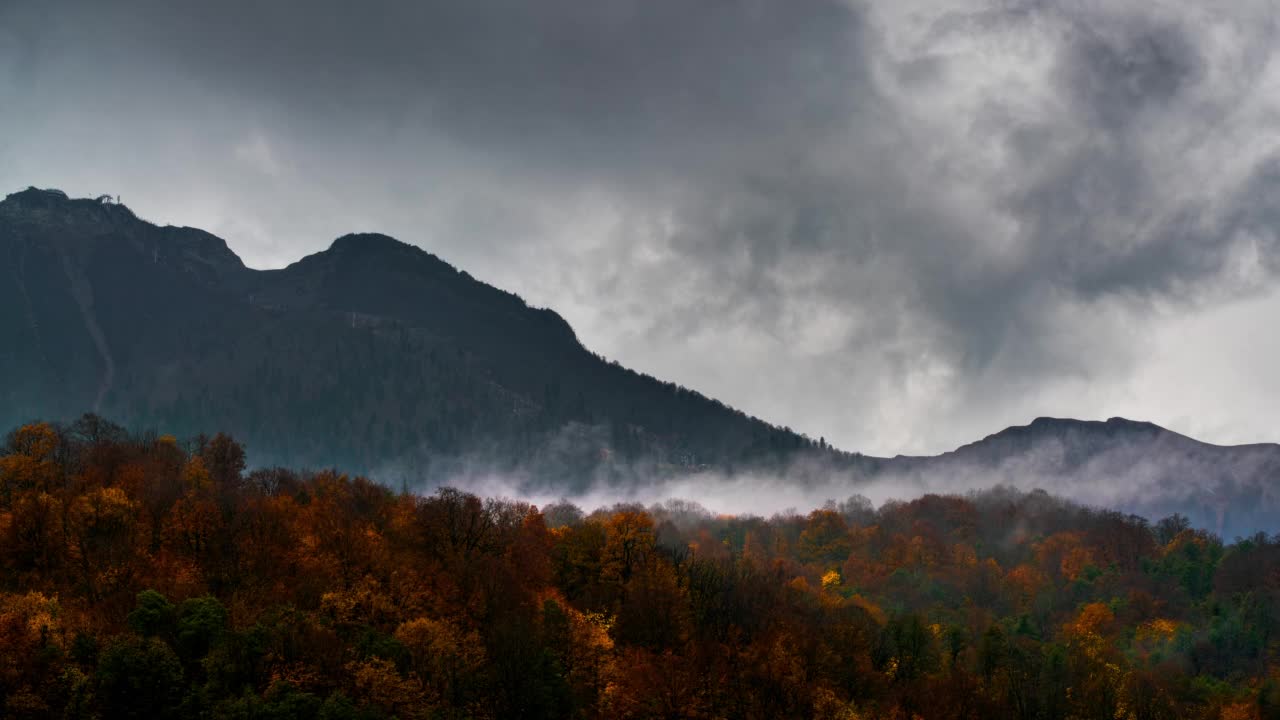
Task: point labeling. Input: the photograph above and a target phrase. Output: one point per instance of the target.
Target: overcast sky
(899, 225)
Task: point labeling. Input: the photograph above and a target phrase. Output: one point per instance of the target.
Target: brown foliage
(284, 589)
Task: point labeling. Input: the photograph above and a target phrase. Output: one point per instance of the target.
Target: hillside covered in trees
(144, 576)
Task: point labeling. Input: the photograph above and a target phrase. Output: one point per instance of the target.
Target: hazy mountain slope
(373, 355)
(1135, 466)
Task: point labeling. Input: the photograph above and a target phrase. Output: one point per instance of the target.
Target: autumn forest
(148, 576)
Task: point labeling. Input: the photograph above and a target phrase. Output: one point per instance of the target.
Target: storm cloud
(900, 225)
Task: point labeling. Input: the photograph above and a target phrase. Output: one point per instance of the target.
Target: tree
(445, 658)
(562, 514)
(153, 615)
(1170, 527)
(139, 678)
(30, 464)
(105, 547)
(201, 624)
(655, 612)
(910, 648)
(628, 542)
(825, 538)
(225, 461)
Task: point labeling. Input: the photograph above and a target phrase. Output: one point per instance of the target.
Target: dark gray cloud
(899, 225)
(558, 82)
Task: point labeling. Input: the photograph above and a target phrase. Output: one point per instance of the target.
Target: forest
(146, 576)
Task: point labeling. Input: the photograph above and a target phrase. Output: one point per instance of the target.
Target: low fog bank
(1233, 496)
(1123, 465)
(719, 494)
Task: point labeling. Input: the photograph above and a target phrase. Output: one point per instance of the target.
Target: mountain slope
(1134, 466)
(373, 355)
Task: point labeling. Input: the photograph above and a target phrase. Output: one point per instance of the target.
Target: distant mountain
(374, 356)
(1135, 466)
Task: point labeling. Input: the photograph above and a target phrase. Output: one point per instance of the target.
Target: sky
(900, 226)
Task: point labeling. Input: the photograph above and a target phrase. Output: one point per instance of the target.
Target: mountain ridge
(379, 357)
(379, 303)
(1130, 465)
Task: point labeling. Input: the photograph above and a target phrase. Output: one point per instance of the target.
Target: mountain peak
(1069, 430)
(1127, 424)
(34, 197)
(41, 204)
(368, 243)
(1112, 424)
(104, 225)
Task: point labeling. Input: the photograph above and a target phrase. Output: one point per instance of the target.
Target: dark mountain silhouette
(375, 356)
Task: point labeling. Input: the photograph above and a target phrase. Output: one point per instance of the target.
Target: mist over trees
(147, 576)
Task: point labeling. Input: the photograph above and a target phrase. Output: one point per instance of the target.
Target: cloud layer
(899, 225)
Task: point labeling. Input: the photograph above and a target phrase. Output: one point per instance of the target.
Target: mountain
(1135, 466)
(378, 357)
(373, 355)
